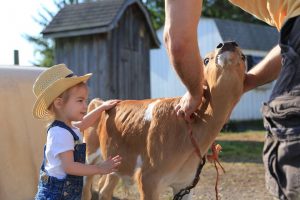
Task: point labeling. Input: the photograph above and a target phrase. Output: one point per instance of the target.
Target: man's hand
(187, 106)
(265, 71)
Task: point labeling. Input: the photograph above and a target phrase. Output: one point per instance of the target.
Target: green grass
(241, 146)
(241, 151)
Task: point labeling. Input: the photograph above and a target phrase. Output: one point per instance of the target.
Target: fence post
(16, 57)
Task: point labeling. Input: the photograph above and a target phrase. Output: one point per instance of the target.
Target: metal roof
(248, 35)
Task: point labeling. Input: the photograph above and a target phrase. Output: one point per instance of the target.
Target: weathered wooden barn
(109, 38)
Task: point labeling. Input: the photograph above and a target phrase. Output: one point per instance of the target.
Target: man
(282, 112)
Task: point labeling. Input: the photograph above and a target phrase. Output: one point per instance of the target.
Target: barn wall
(87, 54)
(164, 80)
(130, 45)
(251, 102)
(119, 59)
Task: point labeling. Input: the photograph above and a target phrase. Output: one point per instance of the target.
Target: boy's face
(75, 107)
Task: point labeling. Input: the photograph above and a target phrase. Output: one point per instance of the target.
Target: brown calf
(154, 142)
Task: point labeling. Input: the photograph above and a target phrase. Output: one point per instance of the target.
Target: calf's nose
(227, 46)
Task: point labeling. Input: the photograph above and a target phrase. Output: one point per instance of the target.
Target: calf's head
(225, 71)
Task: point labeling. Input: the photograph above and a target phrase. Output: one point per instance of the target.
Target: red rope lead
(216, 148)
(197, 150)
(214, 157)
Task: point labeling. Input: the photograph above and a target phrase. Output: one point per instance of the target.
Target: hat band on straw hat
(70, 75)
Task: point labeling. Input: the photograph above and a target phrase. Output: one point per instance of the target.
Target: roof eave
(78, 32)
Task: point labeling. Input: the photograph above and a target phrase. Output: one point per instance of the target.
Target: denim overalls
(69, 188)
(281, 152)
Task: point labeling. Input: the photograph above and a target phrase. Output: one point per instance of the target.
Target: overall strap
(63, 125)
(44, 159)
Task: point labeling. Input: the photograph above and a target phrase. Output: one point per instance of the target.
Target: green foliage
(156, 9)
(223, 9)
(45, 47)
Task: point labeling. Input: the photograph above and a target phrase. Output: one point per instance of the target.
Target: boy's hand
(110, 104)
(110, 165)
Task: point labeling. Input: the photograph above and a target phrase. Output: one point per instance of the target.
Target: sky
(15, 21)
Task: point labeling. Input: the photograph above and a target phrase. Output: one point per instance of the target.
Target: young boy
(62, 97)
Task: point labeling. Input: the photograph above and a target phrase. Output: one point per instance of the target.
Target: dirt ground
(241, 181)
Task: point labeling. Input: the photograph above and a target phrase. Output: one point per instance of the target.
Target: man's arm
(180, 35)
(265, 71)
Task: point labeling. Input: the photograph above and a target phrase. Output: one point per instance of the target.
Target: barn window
(252, 61)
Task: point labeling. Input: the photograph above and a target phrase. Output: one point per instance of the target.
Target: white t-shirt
(59, 140)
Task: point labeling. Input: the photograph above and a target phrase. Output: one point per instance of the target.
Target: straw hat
(50, 84)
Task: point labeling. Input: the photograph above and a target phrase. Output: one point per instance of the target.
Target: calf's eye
(206, 61)
(243, 57)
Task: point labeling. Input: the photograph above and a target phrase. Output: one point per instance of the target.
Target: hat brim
(44, 100)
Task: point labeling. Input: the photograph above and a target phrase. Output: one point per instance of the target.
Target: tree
(211, 8)
(45, 47)
(156, 9)
(222, 9)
